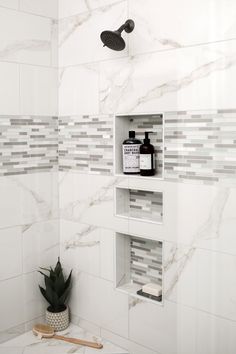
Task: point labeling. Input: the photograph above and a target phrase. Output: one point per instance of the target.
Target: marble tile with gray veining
(73, 30)
(156, 82)
(25, 38)
(32, 345)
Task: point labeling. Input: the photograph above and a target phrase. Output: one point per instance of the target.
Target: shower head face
(113, 40)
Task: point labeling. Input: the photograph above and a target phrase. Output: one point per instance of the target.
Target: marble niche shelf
(138, 261)
(140, 123)
(139, 204)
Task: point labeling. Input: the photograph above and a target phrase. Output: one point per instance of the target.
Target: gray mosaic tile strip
(153, 123)
(146, 261)
(86, 144)
(146, 205)
(28, 144)
(201, 146)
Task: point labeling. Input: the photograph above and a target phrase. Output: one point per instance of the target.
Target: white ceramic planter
(58, 320)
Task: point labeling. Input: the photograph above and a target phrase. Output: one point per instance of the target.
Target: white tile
(178, 329)
(88, 326)
(184, 79)
(10, 252)
(38, 90)
(73, 7)
(12, 4)
(30, 344)
(40, 245)
(153, 325)
(9, 203)
(54, 44)
(79, 35)
(96, 301)
(80, 247)
(107, 254)
(24, 38)
(48, 8)
(194, 215)
(201, 279)
(38, 196)
(132, 347)
(89, 199)
(11, 303)
(9, 88)
(33, 303)
(162, 25)
(79, 90)
(27, 199)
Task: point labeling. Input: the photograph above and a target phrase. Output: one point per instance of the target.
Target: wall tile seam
(164, 241)
(31, 224)
(132, 57)
(76, 319)
(20, 10)
(197, 309)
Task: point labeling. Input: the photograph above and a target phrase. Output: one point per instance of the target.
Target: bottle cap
(131, 134)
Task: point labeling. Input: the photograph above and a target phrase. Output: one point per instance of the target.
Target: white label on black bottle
(131, 158)
(146, 162)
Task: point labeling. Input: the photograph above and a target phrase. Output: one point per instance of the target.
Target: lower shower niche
(138, 263)
(139, 204)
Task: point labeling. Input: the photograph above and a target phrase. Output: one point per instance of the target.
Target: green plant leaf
(45, 295)
(58, 268)
(64, 297)
(52, 274)
(49, 283)
(59, 284)
(68, 280)
(48, 270)
(54, 299)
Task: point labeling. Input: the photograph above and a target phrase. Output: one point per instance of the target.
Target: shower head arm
(128, 26)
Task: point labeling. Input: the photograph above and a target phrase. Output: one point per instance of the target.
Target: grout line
(201, 310)
(32, 223)
(134, 56)
(19, 10)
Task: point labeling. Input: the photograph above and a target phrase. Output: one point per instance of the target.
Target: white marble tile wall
(181, 56)
(28, 57)
(29, 228)
(29, 238)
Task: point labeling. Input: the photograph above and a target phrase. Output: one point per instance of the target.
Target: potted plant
(56, 293)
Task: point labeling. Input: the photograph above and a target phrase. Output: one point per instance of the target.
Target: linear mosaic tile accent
(28, 144)
(201, 146)
(152, 123)
(146, 205)
(146, 261)
(86, 144)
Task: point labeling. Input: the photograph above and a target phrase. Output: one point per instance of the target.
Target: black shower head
(113, 39)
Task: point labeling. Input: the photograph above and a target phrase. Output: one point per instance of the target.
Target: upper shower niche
(139, 123)
(113, 39)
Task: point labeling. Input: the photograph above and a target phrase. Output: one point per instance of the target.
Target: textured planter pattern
(59, 320)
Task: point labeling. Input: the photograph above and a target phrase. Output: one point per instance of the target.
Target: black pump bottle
(147, 157)
(131, 155)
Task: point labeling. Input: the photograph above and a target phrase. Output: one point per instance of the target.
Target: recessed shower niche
(140, 123)
(144, 205)
(138, 262)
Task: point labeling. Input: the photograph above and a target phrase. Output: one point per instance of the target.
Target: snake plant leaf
(68, 281)
(64, 296)
(58, 268)
(59, 284)
(45, 295)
